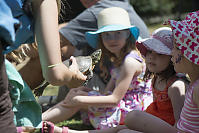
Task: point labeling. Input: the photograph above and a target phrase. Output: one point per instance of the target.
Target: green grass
(154, 27)
(51, 91)
(75, 122)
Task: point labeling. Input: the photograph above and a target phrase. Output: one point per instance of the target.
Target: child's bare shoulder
(182, 79)
(196, 93)
(179, 85)
(133, 58)
(131, 63)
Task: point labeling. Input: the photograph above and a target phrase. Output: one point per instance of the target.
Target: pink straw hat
(186, 35)
(161, 42)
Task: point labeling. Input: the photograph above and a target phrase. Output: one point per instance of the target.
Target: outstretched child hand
(83, 88)
(78, 78)
(72, 98)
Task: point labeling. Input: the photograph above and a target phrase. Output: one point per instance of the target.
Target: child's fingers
(83, 93)
(85, 88)
(78, 88)
(75, 92)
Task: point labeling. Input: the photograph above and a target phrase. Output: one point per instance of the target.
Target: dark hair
(166, 74)
(130, 45)
(29, 11)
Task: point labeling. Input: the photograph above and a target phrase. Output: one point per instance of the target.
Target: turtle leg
(89, 76)
(39, 91)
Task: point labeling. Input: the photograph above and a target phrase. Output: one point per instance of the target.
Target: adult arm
(47, 36)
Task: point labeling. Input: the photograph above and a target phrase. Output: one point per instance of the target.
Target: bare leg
(58, 113)
(128, 131)
(26, 129)
(108, 130)
(145, 122)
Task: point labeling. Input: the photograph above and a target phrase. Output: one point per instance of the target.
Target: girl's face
(114, 41)
(177, 59)
(157, 63)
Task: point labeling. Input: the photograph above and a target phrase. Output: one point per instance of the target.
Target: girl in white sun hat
(126, 91)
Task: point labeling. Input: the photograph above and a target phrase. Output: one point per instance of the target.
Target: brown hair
(166, 74)
(29, 9)
(130, 45)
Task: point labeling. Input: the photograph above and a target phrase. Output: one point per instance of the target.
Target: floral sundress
(138, 97)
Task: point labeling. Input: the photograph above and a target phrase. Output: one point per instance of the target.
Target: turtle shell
(84, 63)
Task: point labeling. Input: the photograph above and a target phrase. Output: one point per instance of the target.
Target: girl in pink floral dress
(137, 97)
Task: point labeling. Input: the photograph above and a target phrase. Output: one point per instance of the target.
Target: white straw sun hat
(161, 41)
(111, 19)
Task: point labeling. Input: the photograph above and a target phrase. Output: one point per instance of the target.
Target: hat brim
(92, 37)
(152, 44)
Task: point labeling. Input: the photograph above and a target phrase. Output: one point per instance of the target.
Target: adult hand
(62, 75)
(78, 78)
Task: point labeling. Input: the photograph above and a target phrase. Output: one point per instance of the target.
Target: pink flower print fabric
(186, 35)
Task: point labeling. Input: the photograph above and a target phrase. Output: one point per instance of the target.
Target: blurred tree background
(152, 11)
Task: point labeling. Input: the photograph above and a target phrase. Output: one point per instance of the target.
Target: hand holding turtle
(78, 78)
(85, 64)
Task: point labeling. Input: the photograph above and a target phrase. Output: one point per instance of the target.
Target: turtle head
(96, 55)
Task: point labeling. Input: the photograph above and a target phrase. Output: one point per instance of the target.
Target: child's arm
(129, 69)
(196, 94)
(109, 87)
(176, 93)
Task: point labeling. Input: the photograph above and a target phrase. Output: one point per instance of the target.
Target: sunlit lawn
(75, 122)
